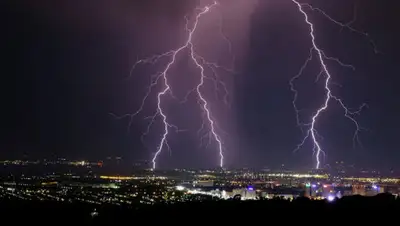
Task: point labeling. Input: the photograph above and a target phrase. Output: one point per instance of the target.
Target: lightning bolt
(201, 64)
(322, 58)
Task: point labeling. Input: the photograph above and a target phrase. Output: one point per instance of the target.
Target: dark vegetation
(263, 212)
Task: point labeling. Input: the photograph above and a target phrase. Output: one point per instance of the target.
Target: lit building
(245, 193)
(374, 190)
(327, 190)
(203, 183)
(311, 190)
(358, 189)
(307, 190)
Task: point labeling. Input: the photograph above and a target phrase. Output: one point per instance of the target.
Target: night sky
(66, 66)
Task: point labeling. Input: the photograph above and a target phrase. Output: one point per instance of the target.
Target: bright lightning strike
(200, 63)
(322, 58)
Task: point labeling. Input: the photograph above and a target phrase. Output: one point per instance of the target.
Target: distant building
(358, 189)
(327, 190)
(203, 183)
(374, 190)
(311, 190)
(307, 191)
(245, 193)
(392, 189)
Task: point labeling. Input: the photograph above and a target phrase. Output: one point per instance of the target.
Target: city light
(331, 198)
(180, 188)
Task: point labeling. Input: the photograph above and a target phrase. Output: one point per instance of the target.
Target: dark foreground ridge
(207, 212)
